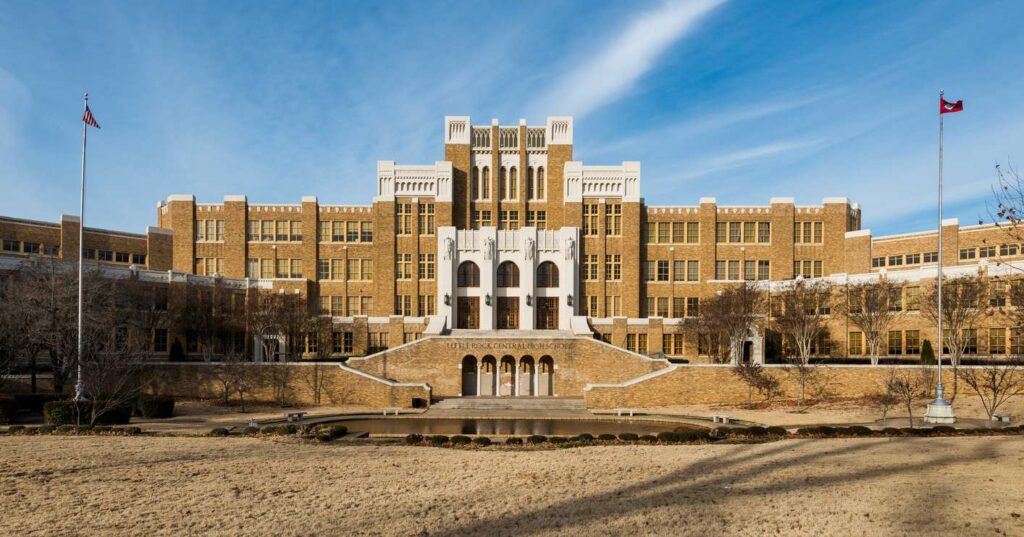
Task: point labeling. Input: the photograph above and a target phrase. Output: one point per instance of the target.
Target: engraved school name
(508, 346)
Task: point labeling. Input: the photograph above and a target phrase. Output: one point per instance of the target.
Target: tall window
(764, 232)
(403, 218)
(540, 183)
(502, 183)
(426, 267)
(808, 232)
(508, 220)
(469, 275)
(426, 218)
(613, 219)
(513, 183)
(403, 266)
(530, 192)
(590, 267)
(508, 274)
(590, 219)
(474, 184)
(485, 183)
(537, 219)
(613, 267)
(692, 232)
(547, 275)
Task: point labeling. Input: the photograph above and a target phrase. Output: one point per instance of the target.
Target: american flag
(89, 119)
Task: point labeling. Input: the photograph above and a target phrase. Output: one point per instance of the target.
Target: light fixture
(487, 299)
(529, 299)
(568, 300)
(447, 299)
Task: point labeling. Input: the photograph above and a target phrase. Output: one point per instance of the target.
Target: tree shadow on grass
(710, 485)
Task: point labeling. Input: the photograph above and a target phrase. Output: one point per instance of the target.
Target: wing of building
(508, 232)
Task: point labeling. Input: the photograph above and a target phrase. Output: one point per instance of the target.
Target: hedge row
(147, 406)
(73, 429)
(324, 433)
(70, 412)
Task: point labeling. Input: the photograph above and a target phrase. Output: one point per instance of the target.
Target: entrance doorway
(748, 351)
(547, 313)
(469, 376)
(508, 312)
(468, 316)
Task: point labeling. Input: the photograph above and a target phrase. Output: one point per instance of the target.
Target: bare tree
(887, 397)
(239, 374)
(728, 318)
(756, 379)
(963, 305)
(867, 306)
(994, 384)
(906, 386)
(805, 374)
(799, 313)
(322, 334)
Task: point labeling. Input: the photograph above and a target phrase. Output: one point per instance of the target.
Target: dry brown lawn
(59, 485)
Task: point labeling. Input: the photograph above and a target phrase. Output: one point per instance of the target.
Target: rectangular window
(895, 342)
(855, 344)
(613, 219)
(105, 255)
(650, 271)
(679, 271)
(896, 300)
(120, 257)
(353, 269)
(351, 231)
(997, 341)
(692, 306)
(403, 266)
(323, 269)
(877, 262)
(913, 342)
(284, 268)
(662, 306)
(403, 218)
(913, 259)
(324, 232)
(138, 259)
(764, 232)
(664, 229)
(252, 268)
(734, 231)
(266, 268)
(692, 232)
(641, 343)
(426, 305)
(296, 268)
(267, 233)
(987, 251)
(366, 232)
(613, 267)
(337, 269)
(818, 234)
(281, 234)
(426, 218)
(426, 267)
(337, 306)
(970, 336)
(721, 231)
(336, 342)
(749, 231)
(678, 232)
(367, 269)
(749, 269)
(719, 270)
(253, 230)
(895, 260)
(338, 231)
(734, 270)
(403, 305)
(592, 310)
(913, 298)
(1008, 249)
(296, 231)
(631, 342)
(931, 257)
(378, 342)
(692, 271)
(967, 253)
(590, 219)
(1017, 341)
(662, 271)
(764, 269)
(678, 307)
(33, 248)
(590, 267)
(612, 306)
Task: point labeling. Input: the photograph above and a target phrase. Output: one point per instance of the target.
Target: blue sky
(741, 100)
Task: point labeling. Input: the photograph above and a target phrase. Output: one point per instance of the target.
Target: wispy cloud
(750, 155)
(612, 72)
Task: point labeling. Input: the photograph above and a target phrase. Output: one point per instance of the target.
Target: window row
(345, 231)
(213, 230)
(680, 307)
(752, 269)
(808, 268)
(743, 232)
(904, 259)
(612, 219)
(508, 183)
(341, 306)
(274, 231)
(508, 220)
(18, 247)
(425, 305)
(1004, 250)
(114, 257)
(424, 218)
(468, 275)
(673, 232)
(808, 232)
(682, 271)
(341, 343)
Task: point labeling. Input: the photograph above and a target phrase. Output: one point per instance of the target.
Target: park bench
(621, 411)
(719, 418)
(392, 409)
(1002, 418)
(295, 416)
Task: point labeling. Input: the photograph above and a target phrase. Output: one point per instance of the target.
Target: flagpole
(79, 388)
(939, 399)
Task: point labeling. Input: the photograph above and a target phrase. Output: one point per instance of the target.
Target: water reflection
(492, 426)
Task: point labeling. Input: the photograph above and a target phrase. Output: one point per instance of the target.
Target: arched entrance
(470, 376)
(546, 376)
(507, 381)
(488, 378)
(527, 376)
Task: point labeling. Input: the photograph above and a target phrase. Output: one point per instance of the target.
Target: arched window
(502, 183)
(485, 184)
(530, 193)
(508, 274)
(469, 274)
(474, 184)
(513, 183)
(540, 183)
(547, 275)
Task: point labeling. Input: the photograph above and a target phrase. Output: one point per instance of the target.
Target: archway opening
(470, 377)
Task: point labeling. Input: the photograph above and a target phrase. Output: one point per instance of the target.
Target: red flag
(946, 107)
(89, 119)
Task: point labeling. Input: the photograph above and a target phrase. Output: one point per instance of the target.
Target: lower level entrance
(468, 312)
(508, 376)
(547, 313)
(508, 312)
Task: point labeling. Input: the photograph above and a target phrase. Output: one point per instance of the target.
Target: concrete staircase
(510, 403)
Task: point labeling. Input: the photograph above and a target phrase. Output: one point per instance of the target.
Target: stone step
(513, 403)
